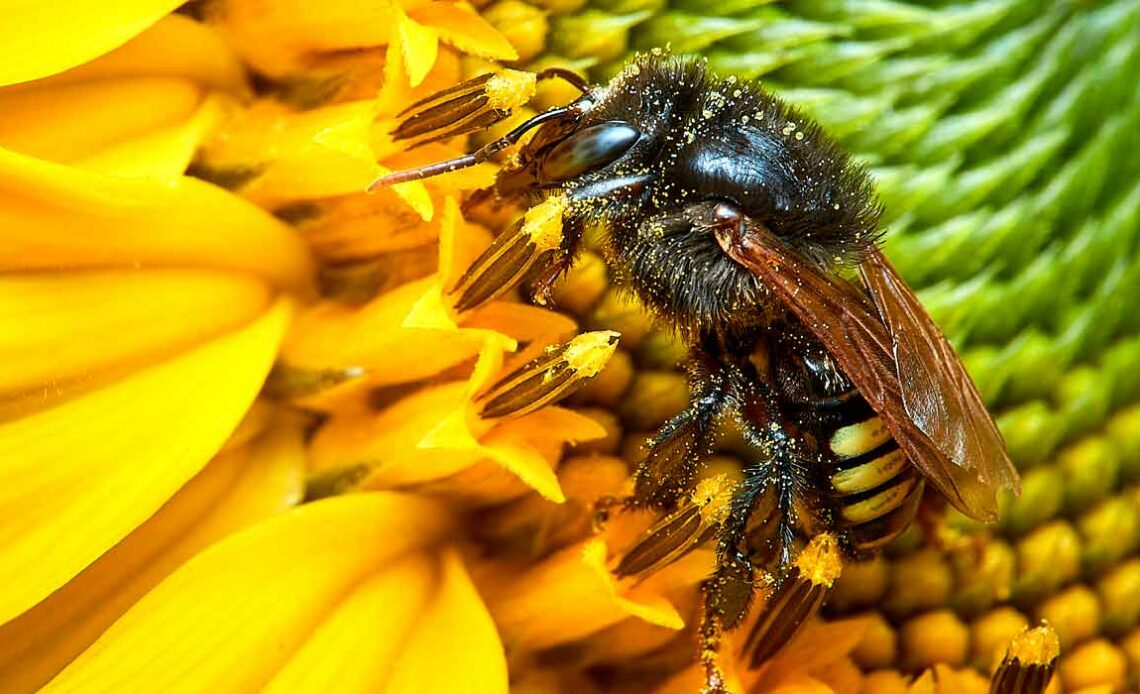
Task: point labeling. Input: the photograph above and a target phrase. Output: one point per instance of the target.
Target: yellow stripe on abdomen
(869, 475)
(879, 504)
(859, 438)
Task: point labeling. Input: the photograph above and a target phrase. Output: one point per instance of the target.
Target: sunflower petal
(176, 46)
(54, 216)
(73, 121)
(419, 45)
(39, 38)
(79, 477)
(71, 325)
(237, 489)
(164, 153)
(567, 596)
(375, 625)
(234, 616)
(458, 624)
(461, 26)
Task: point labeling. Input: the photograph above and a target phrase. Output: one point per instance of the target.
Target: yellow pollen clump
(820, 562)
(543, 223)
(1035, 646)
(714, 496)
(588, 353)
(509, 89)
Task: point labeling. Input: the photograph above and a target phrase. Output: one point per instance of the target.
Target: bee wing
(938, 394)
(895, 355)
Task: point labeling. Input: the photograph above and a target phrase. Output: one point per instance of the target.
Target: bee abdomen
(876, 489)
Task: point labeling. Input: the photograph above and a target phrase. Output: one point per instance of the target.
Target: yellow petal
(63, 326)
(397, 92)
(461, 26)
(235, 615)
(42, 37)
(280, 37)
(54, 216)
(163, 153)
(457, 626)
(567, 596)
(72, 121)
(355, 648)
(419, 46)
(77, 478)
(175, 46)
(436, 635)
(236, 489)
(329, 335)
(392, 437)
(525, 462)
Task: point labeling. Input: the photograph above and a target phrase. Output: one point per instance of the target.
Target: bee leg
(552, 267)
(780, 472)
(675, 454)
(727, 597)
(710, 638)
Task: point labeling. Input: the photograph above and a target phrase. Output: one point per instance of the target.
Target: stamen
(553, 375)
(512, 255)
(1029, 662)
(797, 599)
(474, 105)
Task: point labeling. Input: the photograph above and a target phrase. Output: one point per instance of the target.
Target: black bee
(741, 223)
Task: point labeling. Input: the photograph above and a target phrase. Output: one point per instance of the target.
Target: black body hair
(707, 138)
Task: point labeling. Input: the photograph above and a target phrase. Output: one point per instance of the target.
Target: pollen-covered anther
(796, 600)
(472, 106)
(1029, 662)
(820, 562)
(510, 89)
(551, 376)
(714, 497)
(512, 255)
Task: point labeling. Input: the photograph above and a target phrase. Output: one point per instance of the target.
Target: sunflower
(248, 441)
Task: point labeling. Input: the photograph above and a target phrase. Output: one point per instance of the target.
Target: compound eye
(588, 149)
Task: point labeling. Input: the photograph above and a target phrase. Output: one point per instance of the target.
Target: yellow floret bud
(1047, 558)
(1074, 613)
(653, 397)
(862, 584)
(934, 637)
(879, 647)
(920, 581)
(1094, 663)
(990, 634)
(1119, 592)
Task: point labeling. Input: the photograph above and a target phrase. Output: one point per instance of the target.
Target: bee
(739, 222)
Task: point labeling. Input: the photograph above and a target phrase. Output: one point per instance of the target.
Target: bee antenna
(565, 75)
(480, 155)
